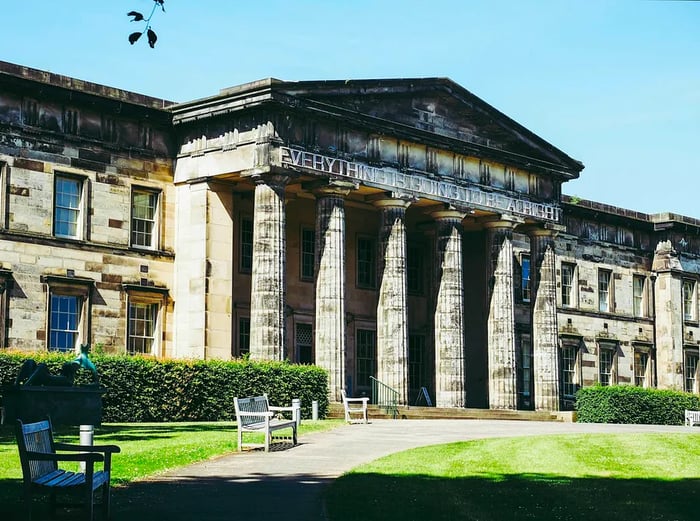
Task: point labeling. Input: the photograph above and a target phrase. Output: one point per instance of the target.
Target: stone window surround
(689, 299)
(81, 221)
(688, 378)
(610, 348)
(140, 294)
(606, 295)
(643, 348)
(155, 231)
(642, 296)
(572, 294)
(69, 285)
(574, 342)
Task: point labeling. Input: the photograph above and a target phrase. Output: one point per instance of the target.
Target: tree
(150, 33)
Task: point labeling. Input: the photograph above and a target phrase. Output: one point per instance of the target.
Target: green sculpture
(31, 373)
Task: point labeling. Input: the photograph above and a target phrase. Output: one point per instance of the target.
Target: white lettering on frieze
(422, 186)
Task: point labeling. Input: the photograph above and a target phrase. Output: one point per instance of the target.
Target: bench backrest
(35, 437)
(254, 404)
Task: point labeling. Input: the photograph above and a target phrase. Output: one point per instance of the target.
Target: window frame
(525, 374)
(245, 244)
(570, 294)
(156, 299)
(691, 371)
(366, 279)
(415, 267)
(605, 350)
(417, 363)
(364, 384)
(307, 254)
(525, 281)
(605, 295)
(689, 300)
(80, 213)
(298, 345)
(570, 345)
(77, 288)
(243, 336)
(639, 296)
(155, 221)
(4, 192)
(641, 378)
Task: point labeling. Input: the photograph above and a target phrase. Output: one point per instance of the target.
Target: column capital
(331, 187)
(543, 230)
(273, 180)
(392, 200)
(502, 221)
(448, 215)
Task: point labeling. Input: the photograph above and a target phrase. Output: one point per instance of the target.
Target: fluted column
(450, 387)
(268, 281)
(392, 316)
(330, 325)
(501, 318)
(545, 351)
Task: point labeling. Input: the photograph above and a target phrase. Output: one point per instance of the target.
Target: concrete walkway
(255, 485)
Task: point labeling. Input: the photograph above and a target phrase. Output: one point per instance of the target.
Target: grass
(147, 449)
(582, 477)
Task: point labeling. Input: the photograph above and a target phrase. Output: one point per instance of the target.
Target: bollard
(296, 410)
(87, 433)
(314, 410)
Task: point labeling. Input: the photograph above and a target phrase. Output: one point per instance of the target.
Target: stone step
(335, 410)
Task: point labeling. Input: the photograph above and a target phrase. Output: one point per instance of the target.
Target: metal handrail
(385, 397)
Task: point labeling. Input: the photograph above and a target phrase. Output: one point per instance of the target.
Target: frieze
(418, 185)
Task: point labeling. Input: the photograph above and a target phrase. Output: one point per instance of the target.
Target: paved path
(255, 485)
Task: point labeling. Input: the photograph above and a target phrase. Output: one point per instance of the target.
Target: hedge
(141, 389)
(631, 404)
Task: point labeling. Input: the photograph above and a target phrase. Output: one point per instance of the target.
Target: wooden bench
(692, 418)
(40, 470)
(256, 415)
(354, 406)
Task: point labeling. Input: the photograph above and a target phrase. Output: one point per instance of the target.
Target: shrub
(630, 404)
(143, 389)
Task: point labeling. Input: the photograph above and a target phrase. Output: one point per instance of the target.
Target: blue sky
(614, 84)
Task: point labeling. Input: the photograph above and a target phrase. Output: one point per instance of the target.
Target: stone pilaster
(450, 387)
(501, 315)
(545, 350)
(330, 340)
(668, 317)
(268, 281)
(392, 316)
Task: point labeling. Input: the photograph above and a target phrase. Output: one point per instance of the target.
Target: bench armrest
(364, 399)
(87, 448)
(281, 409)
(81, 456)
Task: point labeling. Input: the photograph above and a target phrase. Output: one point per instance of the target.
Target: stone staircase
(335, 410)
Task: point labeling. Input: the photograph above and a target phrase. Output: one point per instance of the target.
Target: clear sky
(614, 84)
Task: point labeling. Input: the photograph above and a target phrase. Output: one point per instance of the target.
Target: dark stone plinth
(64, 405)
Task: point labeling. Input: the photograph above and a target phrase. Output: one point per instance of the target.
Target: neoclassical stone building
(403, 230)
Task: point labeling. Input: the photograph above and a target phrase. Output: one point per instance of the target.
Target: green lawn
(582, 477)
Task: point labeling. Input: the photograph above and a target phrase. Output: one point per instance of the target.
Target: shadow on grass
(374, 497)
(200, 498)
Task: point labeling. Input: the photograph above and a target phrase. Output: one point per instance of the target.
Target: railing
(385, 397)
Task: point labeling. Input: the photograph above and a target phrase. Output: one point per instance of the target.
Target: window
(3, 195)
(65, 312)
(70, 121)
(691, 371)
(304, 338)
(416, 365)
(142, 338)
(5, 285)
(144, 218)
(414, 267)
(638, 294)
(641, 367)
(308, 253)
(689, 303)
(68, 205)
(567, 284)
(606, 364)
(243, 336)
(525, 372)
(68, 309)
(246, 245)
(366, 263)
(366, 358)
(604, 291)
(569, 366)
(525, 280)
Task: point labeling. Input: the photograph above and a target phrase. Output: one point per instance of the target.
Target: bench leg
(268, 435)
(294, 434)
(240, 439)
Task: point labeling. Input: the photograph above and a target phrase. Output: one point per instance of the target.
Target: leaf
(151, 38)
(137, 16)
(133, 37)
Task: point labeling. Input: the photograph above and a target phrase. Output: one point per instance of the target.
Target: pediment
(436, 106)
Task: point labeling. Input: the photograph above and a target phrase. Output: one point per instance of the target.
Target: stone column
(330, 325)
(450, 387)
(545, 350)
(268, 281)
(668, 317)
(392, 315)
(501, 315)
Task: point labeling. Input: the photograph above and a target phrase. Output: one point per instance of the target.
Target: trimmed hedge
(147, 390)
(631, 404)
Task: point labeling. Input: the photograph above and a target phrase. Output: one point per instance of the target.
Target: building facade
(402, 230)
